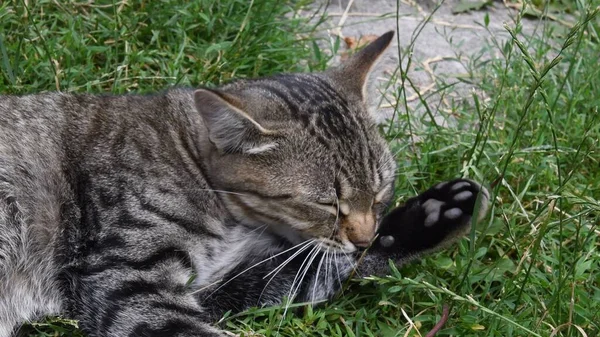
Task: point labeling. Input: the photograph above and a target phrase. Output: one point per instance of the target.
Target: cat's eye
(328, 206)
(327, 202)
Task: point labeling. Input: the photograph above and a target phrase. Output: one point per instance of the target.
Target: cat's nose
(359, 228)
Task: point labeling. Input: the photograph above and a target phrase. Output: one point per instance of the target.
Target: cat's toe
(454, 202)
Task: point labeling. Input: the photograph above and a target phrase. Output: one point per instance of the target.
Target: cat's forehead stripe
(327, 116)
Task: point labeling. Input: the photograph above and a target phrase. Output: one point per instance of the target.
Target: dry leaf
(352, 43)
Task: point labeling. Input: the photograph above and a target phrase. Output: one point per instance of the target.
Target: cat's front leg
(428, 222)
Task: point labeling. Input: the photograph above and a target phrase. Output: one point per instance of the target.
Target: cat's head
(300, 153)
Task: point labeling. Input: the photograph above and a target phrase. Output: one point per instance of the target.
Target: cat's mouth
(325, 243)
(336, 242)
(344, 247)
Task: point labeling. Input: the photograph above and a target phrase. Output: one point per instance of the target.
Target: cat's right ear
(353, 73)
(230, 128)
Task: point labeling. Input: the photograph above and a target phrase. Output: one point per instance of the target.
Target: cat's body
(154, 215)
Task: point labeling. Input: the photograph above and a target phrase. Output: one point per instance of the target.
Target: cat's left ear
(354, 72)
(231, 129)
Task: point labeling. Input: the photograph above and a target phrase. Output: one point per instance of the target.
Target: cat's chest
(218, 259)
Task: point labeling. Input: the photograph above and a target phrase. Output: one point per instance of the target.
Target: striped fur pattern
(154, 215)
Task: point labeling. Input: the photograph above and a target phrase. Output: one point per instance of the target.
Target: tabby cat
(154, 215)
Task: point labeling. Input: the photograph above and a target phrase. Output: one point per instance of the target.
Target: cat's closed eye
(330, 206)
(329, 201)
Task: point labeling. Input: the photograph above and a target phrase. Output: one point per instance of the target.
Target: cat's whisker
(380, 158)
(222, 191)
(337, 217)
(284, 263)
(276, 270)
(337, 175)
(344, 180)
(263, 227)
(313, 254)
(290, 298)
(362, 191)
(316, 279)
(352, 263)
(327, 263)
(339, 278)
(395, 154)
(392, 158)
(337, 214)
(305, 243)
(304, 267)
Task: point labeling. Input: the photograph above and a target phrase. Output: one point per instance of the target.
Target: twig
(358, 14)
(538, 13)
(338, 30)
(442, 321)
(443, 23)
(496, 181)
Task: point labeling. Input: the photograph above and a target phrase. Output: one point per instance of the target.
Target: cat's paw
(452, 202)
(434, 218)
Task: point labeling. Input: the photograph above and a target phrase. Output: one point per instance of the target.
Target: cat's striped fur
(154, 215)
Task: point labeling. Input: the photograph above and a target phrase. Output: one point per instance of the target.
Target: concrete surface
(440, 53)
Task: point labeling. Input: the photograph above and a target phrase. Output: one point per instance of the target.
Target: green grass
(532, 268)
(122, 46)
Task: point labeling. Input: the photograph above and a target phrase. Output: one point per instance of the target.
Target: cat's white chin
(343, 247)
(349, 247)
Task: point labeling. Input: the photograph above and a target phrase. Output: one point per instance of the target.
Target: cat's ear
(230, 128)
(353, 73)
